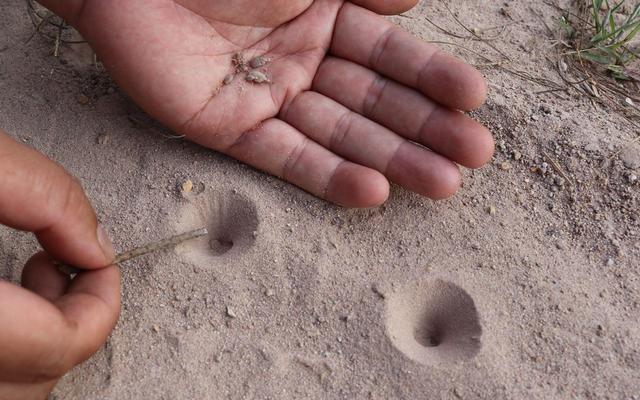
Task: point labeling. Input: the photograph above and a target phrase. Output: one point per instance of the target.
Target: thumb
(37, 195)
(387, 7)
(57, 323)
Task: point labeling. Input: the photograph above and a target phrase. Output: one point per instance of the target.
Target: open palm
(351, 100)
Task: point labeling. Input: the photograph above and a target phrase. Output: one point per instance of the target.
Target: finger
(68, 9)
(92, 307)
(37, 195)
(40, 340)
(405, 111)
(367, 39)
(14, 390)
(386, 7)
(40, 278)
(362, 141)
(35, 330)
(281, 150)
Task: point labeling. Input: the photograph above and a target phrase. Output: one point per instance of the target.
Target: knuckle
(341, 131)
(66, 198)
(374, 95)
(382, 45)
(55, 358)
(292, 160)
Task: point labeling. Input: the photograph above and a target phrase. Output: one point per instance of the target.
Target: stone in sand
(187, 186)
(231, 313)
(104, 139)
(83, 99)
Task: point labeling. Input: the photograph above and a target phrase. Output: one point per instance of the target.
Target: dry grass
(598, 47)
(50, 27)
(605, 35)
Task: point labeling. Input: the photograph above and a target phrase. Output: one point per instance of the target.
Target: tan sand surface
(524, 285)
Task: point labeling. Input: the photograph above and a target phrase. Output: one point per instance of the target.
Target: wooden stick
(142, 250)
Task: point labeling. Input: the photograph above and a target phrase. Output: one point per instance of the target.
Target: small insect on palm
(258, 77)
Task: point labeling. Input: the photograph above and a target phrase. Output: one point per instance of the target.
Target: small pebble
(630, 157)
(156, 328)
(83, 99)
(187, 186)
(377, 290)
(269, 293)
(517, 155)
(505, 166)
(104, 139)
(563, 66)
(491, 210)
(231, 313)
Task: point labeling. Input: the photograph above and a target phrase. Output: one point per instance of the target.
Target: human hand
(52, 323)
(354, 101)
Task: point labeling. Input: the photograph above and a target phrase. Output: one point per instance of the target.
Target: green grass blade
(597, 4)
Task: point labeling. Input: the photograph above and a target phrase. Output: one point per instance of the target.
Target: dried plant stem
(143, 250)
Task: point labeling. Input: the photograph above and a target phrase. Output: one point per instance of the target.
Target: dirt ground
(524, 285)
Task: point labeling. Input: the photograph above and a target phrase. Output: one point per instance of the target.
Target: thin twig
(143, 250)
(474, 34)
(558, 168)
(40, 20)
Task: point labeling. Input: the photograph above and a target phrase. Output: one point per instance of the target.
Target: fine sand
(524, 285)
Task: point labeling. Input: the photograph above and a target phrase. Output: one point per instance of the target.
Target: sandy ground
(525, 285)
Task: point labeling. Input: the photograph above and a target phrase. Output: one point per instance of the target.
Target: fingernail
(106, 244)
